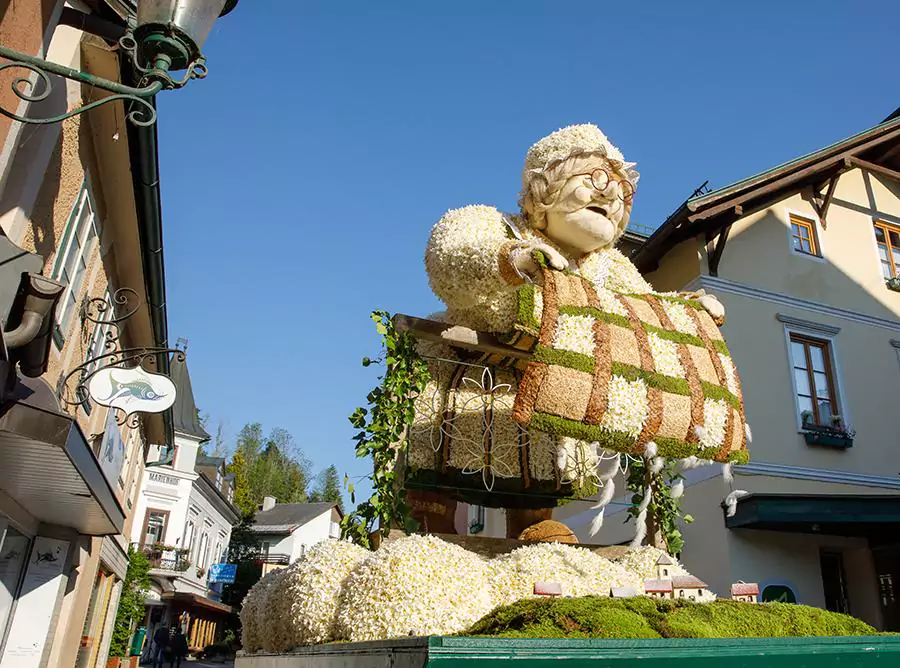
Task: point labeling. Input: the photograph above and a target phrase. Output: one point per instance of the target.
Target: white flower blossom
(641, 561)
(665, 356)
(578, 570)
(679, 316)
(715, 417)
(730, 376)
(575, 333)
(627, 408)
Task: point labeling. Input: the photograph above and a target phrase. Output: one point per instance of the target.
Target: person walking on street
(160, 645)
(179, 648)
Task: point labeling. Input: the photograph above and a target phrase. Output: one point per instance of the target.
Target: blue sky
(301, 178)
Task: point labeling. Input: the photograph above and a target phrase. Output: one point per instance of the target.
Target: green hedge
(644, 617)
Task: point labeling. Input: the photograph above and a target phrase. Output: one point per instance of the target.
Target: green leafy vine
(383, 428)
(663, 511)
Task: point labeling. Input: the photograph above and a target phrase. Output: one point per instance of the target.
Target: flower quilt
(625, 370)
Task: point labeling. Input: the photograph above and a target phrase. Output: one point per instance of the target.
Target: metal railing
(165, 558)
(273, 558)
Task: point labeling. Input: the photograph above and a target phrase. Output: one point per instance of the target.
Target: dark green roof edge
(143, 144)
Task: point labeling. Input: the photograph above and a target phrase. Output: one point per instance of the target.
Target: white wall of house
(303, 537)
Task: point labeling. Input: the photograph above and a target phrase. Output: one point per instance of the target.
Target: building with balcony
(185, 513)
(805, 258)
(288, 530)
(79, 220)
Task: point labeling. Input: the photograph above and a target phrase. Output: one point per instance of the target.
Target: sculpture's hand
(710, 303)
(522, 259)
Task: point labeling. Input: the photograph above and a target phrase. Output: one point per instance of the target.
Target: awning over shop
(187, 600)
(832, 514)
(48, 466)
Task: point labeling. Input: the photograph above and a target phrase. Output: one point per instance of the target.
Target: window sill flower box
(893, 283)
(829, 436)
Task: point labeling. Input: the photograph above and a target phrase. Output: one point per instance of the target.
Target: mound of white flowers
(642, 562)
(417, 585)
(577, 570)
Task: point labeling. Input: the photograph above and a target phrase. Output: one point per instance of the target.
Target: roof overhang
(50, 468)
(863, 516)
(187, 599)
(877, 147)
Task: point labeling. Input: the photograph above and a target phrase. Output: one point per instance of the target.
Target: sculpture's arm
(472, 257)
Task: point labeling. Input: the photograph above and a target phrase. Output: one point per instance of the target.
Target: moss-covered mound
(643, 617)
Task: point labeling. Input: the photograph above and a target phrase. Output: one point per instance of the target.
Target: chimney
(268, 503)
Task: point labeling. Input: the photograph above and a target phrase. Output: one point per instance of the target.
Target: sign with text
(224, 573)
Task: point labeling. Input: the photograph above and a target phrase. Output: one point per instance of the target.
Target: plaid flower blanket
(624, 370)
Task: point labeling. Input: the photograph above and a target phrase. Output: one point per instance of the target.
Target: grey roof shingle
(285, 517)
(184, 411)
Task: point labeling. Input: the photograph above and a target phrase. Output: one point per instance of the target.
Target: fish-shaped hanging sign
(132, 390)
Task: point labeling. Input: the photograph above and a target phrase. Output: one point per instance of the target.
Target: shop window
(803, 236)
(14, 547)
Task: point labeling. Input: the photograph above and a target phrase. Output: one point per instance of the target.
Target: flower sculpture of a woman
(576, 200)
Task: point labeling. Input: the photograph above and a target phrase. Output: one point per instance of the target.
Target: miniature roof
(745, 589)
(622, 592)
(687, 582)
(658, 585)
(185, 416)
(285, 517)
(665, 560)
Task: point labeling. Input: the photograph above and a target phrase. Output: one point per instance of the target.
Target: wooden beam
(719, 248)
(878, 169)
(788, 179)
(458, 337)
(823, 210)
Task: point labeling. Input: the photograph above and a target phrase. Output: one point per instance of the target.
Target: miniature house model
(664, 565)
(748, 592)
(665, 585)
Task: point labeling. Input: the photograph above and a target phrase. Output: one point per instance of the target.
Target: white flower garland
(418, 585)
(679, 316)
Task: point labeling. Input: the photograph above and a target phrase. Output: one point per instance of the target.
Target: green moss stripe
(565, 358)
(739, 457)
(555, 425)
(674, 448)
(721, 347)
(611, 318)
(711, 391)
(676, 337)
(664, 383)
(526, 307)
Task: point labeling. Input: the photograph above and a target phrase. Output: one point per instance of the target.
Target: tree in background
(328, 488)
(131, 602)
(243, 497)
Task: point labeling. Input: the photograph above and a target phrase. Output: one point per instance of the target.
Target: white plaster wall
(314, 531)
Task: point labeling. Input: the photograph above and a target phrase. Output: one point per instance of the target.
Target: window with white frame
(72, 260)
(97, 346)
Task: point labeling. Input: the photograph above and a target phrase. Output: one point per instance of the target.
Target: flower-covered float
(555, 369)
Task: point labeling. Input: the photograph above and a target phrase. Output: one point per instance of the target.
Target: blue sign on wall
(222, 573)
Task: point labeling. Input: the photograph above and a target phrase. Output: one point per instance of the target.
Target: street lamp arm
(25, 88)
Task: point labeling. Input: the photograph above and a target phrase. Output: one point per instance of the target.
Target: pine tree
(328, 488)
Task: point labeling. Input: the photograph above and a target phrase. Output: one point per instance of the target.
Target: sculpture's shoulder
(475, 221)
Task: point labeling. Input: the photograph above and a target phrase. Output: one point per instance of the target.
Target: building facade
(287, 530)
(184, 515)
(79, 226)
(802, 257)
